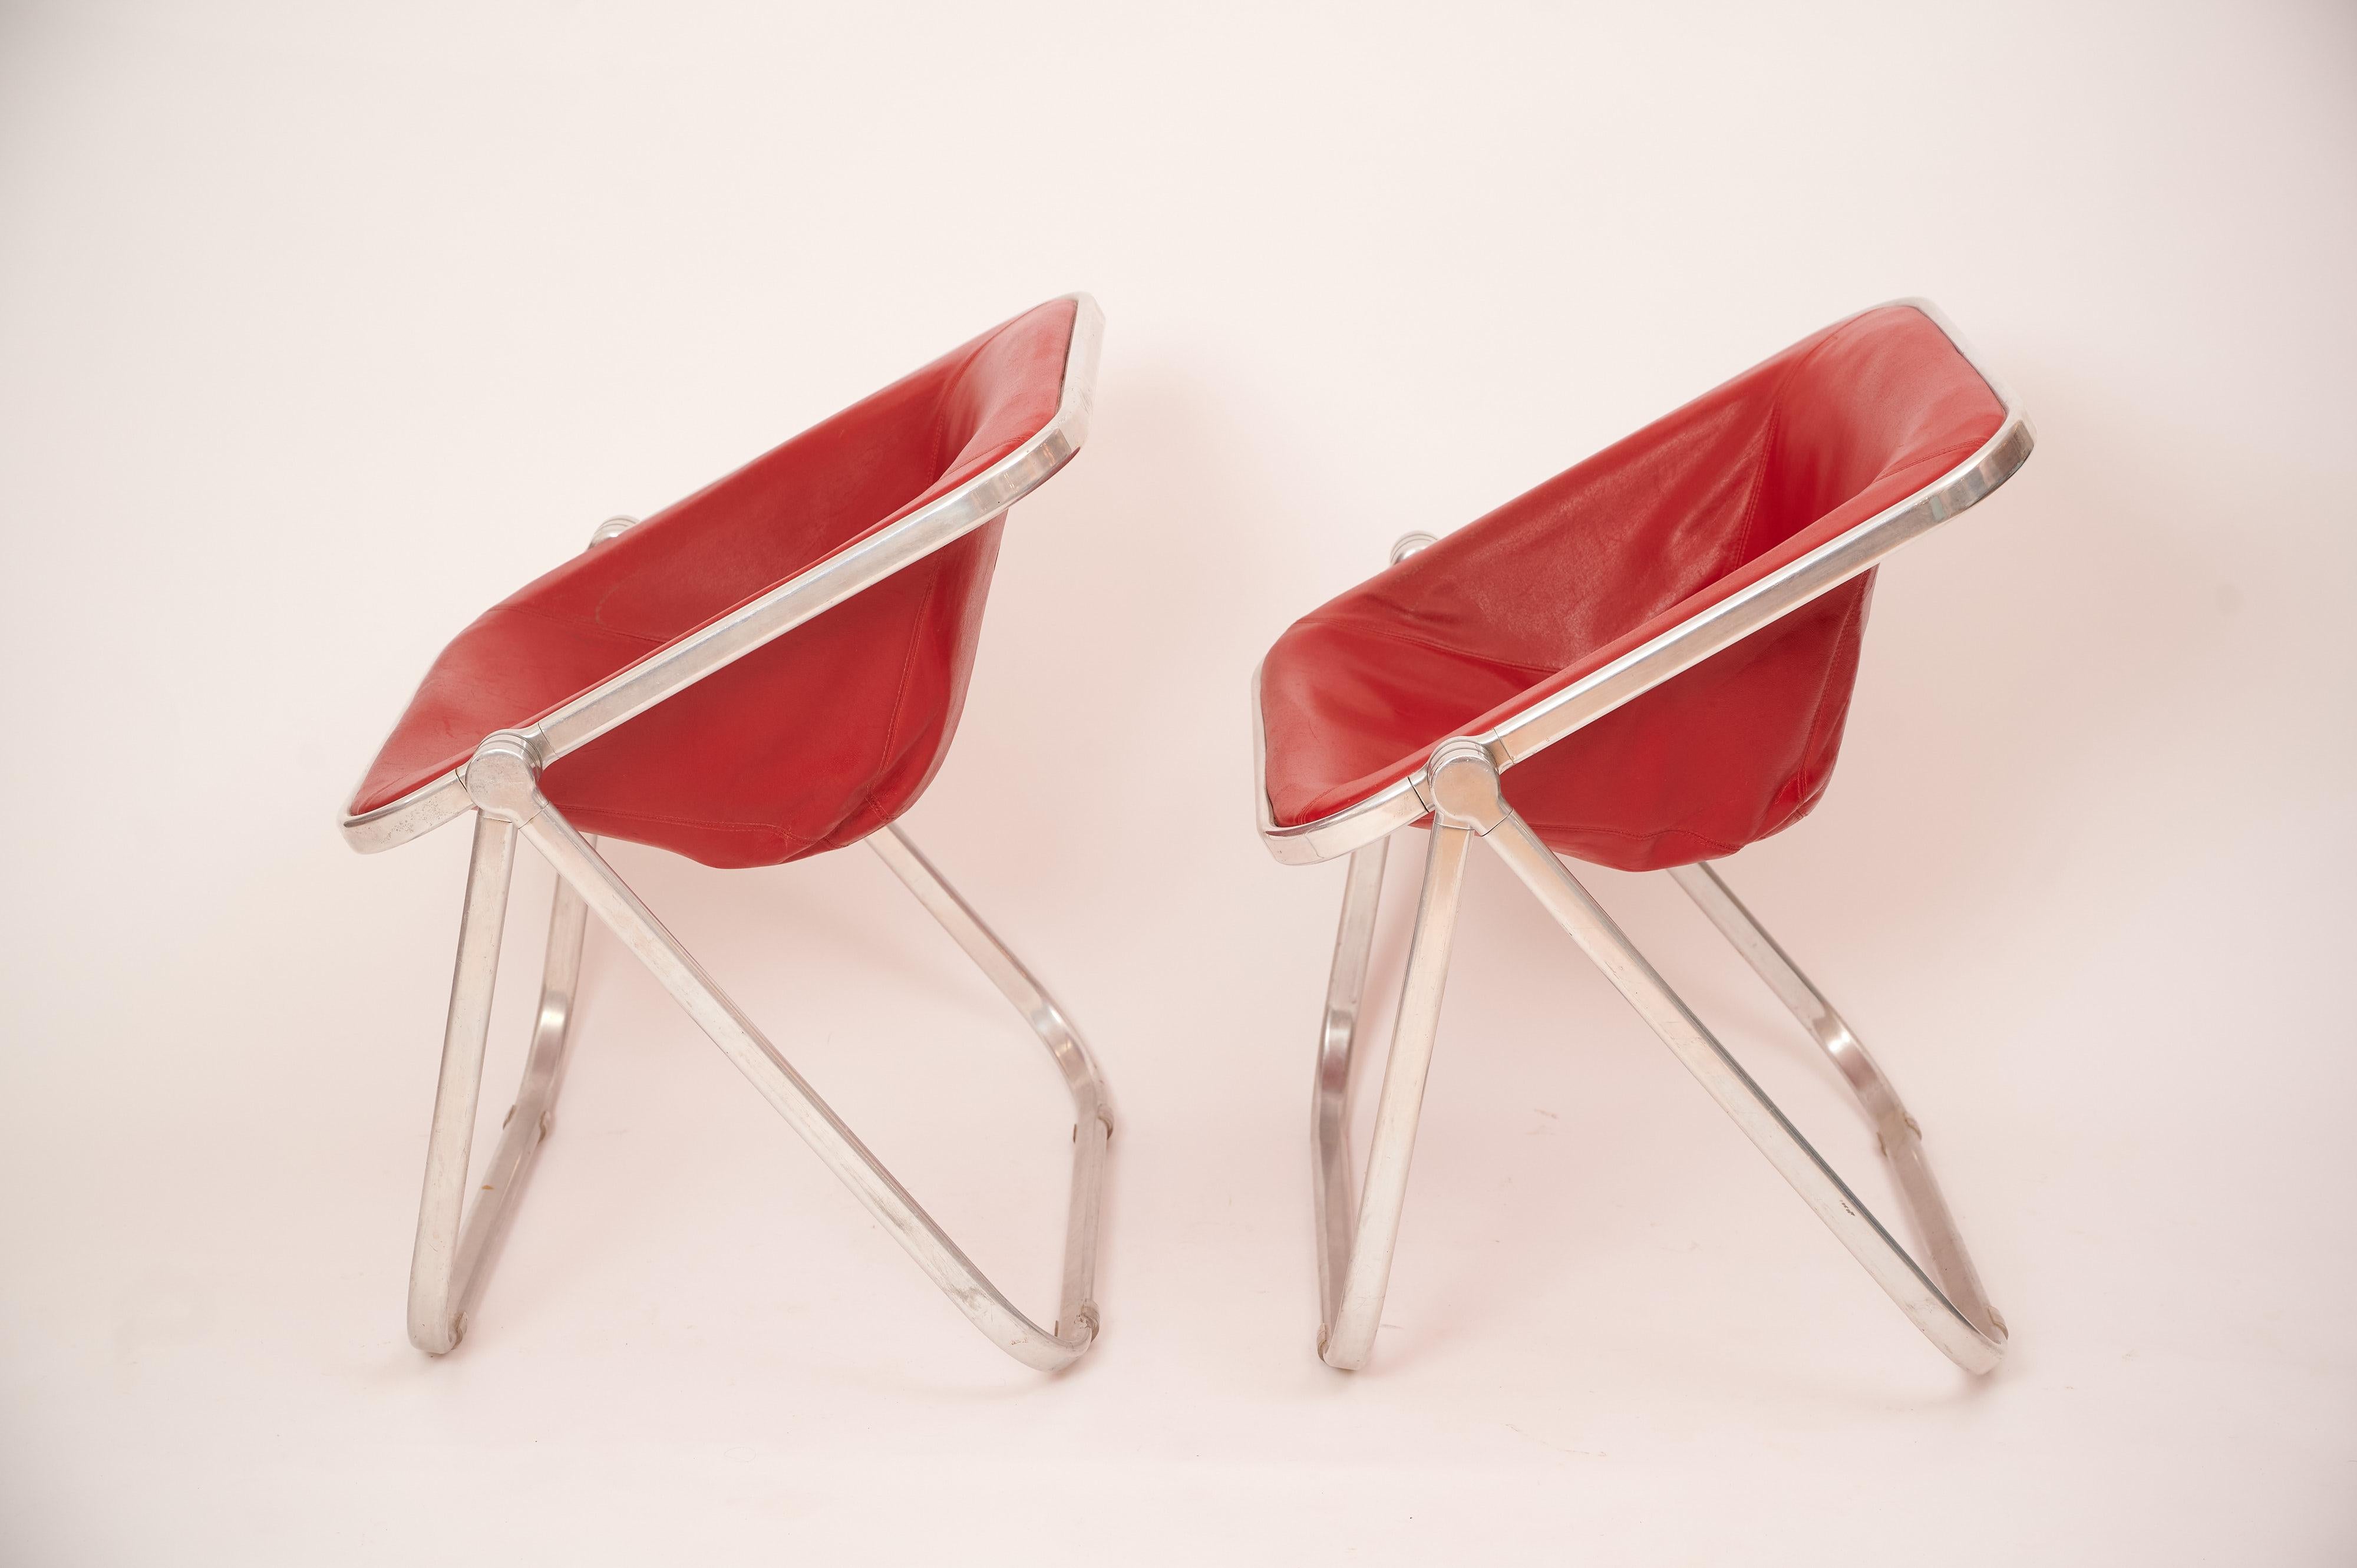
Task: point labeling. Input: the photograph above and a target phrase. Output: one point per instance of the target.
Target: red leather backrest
(1579, 559)
(830, 732)
(1880, 397)
(1660, 524)
(828, 488)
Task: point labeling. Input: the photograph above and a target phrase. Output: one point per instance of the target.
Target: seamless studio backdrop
(323, 328)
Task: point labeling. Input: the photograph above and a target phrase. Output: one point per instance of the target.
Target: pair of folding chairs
(1644, 663)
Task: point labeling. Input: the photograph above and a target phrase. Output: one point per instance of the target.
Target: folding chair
(769, 669)
(1644, 663)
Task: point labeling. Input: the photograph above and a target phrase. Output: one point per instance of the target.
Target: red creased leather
(1600, 559)
(823, 736)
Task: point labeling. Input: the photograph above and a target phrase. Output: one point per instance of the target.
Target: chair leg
(1355, 1269)
(1900, 1135)
(1976, 1347)
(1091, 1110)
(611, 900)
(1329, 1111)
(450, 1265)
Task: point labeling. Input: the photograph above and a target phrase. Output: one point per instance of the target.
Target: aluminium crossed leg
(449, 1265)
(1356, 1239)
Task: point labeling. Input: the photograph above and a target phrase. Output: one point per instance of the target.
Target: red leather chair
(767, 669)
(1645, 662)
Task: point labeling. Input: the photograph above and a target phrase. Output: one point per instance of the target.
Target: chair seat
(818, 738)
(1513, 607)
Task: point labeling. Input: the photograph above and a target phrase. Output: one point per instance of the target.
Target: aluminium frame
(1457, 789)
(500, 783)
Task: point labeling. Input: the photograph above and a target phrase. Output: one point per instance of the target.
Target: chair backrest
(836, 483)
(1832, 431)
(829, 732)
(1861, 416)
(1754, 472)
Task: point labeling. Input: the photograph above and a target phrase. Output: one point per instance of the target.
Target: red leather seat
(1645, 535)
(817, 739)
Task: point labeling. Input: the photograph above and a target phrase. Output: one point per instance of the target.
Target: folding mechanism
(1646, 663)
(770, 669)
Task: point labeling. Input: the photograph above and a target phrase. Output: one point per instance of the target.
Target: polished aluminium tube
(450, 1267)
(1947, 1303)
(1092, 1127)
(1355, 1311)
(1329, 1110)
(445, 1282)
(1930, 1308)
(504, 780)
(1901, 1137)
(434, 1284)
